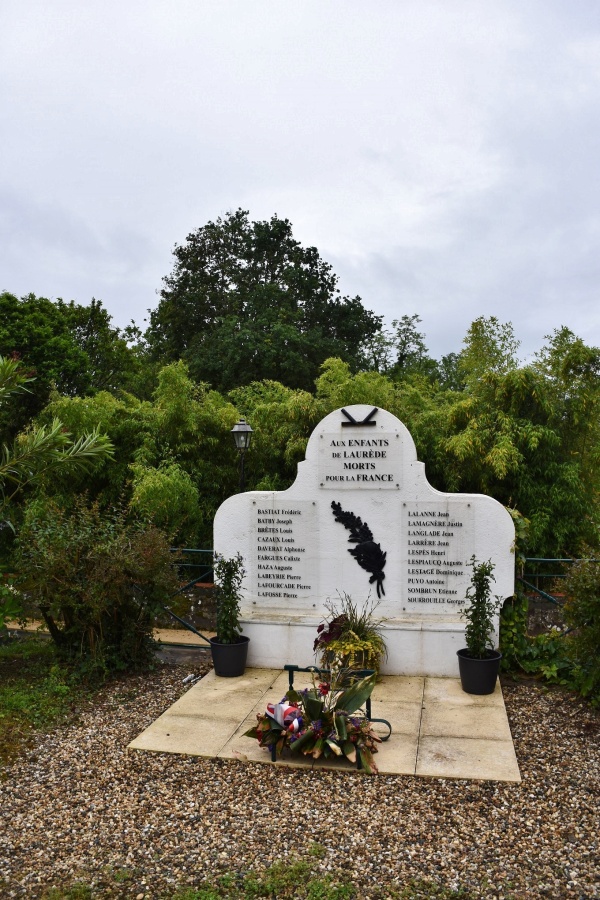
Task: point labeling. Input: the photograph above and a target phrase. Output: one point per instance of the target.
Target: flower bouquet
(321, 721)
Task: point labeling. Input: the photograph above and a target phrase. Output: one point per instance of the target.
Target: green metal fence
(196, 567)
(542, 575)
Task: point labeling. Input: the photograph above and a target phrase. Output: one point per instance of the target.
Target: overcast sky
(444, 157)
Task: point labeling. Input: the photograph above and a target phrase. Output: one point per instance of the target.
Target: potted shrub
(350, 637)
(230, 647)
(479, 661)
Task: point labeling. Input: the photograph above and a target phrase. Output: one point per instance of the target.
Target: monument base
(418, 646)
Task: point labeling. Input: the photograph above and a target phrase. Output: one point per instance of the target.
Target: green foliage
(480, 610)
(35, 331)
(245, 302)
(180, 440)
(528, 435)
(292, 879)
(295, 880)
(34, 454)
(400, 352)
(124, 420)
(68, 347)
(547, 655)
(282, 420)
(11, 601)
(514, 643)
(167, 497)
(97, 581)
(566, 657)
(582, 614)
(13, 378)
(37, 452)
(76, 891)
(489, 347)
(229, 574)
(522, 531)
(35, 691)
(503, 438)
(544, 655)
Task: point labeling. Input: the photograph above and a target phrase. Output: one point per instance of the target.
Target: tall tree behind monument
(245, 302)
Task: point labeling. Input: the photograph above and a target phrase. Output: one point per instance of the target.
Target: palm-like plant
(33, 454)
(39, 450)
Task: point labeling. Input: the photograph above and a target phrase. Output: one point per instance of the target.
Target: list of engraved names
(436, 568)
(282, 552)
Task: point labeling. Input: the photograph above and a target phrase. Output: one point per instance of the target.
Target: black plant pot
(478, 676)
(229, 660)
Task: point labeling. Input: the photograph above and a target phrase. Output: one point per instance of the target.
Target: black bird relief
(367, 553)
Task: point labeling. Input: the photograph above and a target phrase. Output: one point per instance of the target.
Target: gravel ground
(77, 806)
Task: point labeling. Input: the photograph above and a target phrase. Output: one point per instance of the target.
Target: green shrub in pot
(480, 611)
(229, 574)
(479, 661)
(230, 647)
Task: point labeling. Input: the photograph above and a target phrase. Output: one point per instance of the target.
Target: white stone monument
(361, 518)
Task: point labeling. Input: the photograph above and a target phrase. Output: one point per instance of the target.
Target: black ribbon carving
(367, 553)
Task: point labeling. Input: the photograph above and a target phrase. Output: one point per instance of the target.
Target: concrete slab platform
(454, 757)
(449, 690)
(190, 735)
(437, 730)
(490, 723)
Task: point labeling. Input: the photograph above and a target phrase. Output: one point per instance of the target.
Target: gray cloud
(443, 157)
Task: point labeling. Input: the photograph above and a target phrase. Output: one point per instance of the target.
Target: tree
(69, 348)
(112, 362)
(174, 462)
(490, 346)
(245, 302)
(412, 356)
(401, 354)
(449, 372)
(38, 451)
(509, 436)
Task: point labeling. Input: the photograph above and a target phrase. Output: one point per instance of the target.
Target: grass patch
(35, 692)
(298, 881)
(77, 891)
(292, 880)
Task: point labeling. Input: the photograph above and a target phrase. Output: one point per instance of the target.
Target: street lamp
(242, 435)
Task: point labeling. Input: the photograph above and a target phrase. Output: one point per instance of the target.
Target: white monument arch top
(361, 518)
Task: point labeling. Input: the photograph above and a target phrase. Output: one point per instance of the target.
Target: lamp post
(242, 435)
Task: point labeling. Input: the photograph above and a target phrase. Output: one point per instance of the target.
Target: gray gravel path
(77, 806)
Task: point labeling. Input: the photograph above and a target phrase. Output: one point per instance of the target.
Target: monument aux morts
(361, 518)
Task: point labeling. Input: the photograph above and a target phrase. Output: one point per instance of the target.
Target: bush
(97, 581)
(229, 574)
(514, 641)
(480, 609)
(582, 615)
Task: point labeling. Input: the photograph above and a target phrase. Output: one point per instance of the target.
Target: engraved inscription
(358, 462)
(281, 553)
(436, 566)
